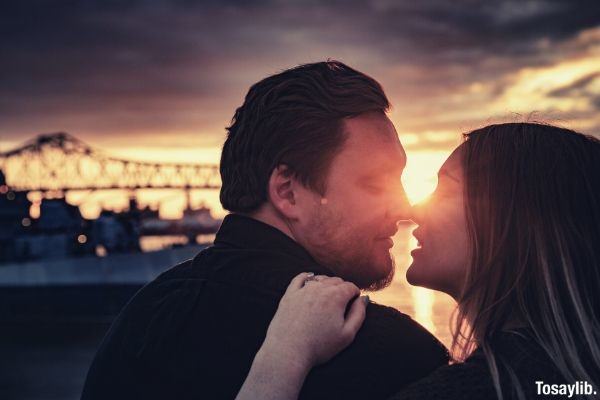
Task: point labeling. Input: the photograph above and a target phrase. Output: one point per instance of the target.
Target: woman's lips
(416, 252)
(417, 235)
(417, 249)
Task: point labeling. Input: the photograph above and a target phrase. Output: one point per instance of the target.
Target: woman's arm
(273, 377)
(311, 326)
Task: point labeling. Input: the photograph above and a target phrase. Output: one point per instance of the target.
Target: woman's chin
(413, 275)
(417, 275)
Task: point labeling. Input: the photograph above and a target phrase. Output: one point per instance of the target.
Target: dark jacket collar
(248, 233)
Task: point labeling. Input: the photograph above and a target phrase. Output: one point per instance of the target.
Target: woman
(512, 233)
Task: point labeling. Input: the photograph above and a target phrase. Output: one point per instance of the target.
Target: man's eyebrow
(449, 175)
(382, 170)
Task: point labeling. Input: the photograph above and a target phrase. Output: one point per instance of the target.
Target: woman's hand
(311, 324)
(317, 318)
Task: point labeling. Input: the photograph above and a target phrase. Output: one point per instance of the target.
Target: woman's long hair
(532, 198)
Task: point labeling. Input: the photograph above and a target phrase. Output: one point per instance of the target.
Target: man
(311, 174)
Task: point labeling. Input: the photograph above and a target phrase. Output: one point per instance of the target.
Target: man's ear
(282, 191)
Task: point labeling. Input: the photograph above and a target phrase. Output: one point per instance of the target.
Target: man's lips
(386, 237)
(389, 233)
(387, 240)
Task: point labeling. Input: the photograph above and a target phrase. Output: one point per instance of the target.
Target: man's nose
(400, 208)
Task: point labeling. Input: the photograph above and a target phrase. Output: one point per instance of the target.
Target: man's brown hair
(293, 118)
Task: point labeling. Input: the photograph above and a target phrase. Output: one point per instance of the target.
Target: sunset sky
(159, 80)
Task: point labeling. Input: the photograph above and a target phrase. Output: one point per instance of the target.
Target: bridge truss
(61, 162)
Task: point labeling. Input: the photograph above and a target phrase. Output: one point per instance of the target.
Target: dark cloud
(114, 67)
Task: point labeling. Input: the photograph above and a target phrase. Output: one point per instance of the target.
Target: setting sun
(420, 176)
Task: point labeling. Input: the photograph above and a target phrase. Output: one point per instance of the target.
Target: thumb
(356, 315)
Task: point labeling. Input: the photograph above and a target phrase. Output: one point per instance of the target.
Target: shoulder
(400, 333)
(520, 355)
(171, 284)
(389, 352)
(162, 304)
(381, 316)
(468, 380)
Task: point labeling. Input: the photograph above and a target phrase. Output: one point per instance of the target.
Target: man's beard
(340, 255)
(357, 270)
(384, 282)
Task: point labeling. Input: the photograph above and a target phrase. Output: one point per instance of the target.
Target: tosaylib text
(565, 389)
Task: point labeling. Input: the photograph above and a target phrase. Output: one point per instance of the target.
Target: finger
(312, 279)
(322, 280)
(348, 290)
(342, 294)
(329, 280)
(356, 315)
(298, 281)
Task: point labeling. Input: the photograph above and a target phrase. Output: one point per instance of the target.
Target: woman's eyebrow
(449, 175)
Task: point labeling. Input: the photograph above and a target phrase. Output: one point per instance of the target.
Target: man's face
(349, 229)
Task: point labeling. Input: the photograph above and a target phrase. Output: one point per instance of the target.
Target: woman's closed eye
(443, 193)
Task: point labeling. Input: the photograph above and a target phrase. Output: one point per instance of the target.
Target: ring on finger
(314, 278)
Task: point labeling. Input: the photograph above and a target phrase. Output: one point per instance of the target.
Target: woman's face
(441, 258)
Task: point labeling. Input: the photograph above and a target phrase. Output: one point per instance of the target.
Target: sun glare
(419, 180)
(420, 176)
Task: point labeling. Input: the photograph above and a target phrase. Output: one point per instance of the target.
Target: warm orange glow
(423, 300)
(101, 251)
(532, 87)
(200, 155)
(35, 198)
(419, 180)
(420, 176)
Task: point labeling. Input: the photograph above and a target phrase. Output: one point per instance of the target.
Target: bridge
(61, 162)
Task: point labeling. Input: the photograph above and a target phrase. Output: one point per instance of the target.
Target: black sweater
(193, 332)
(472, 379)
